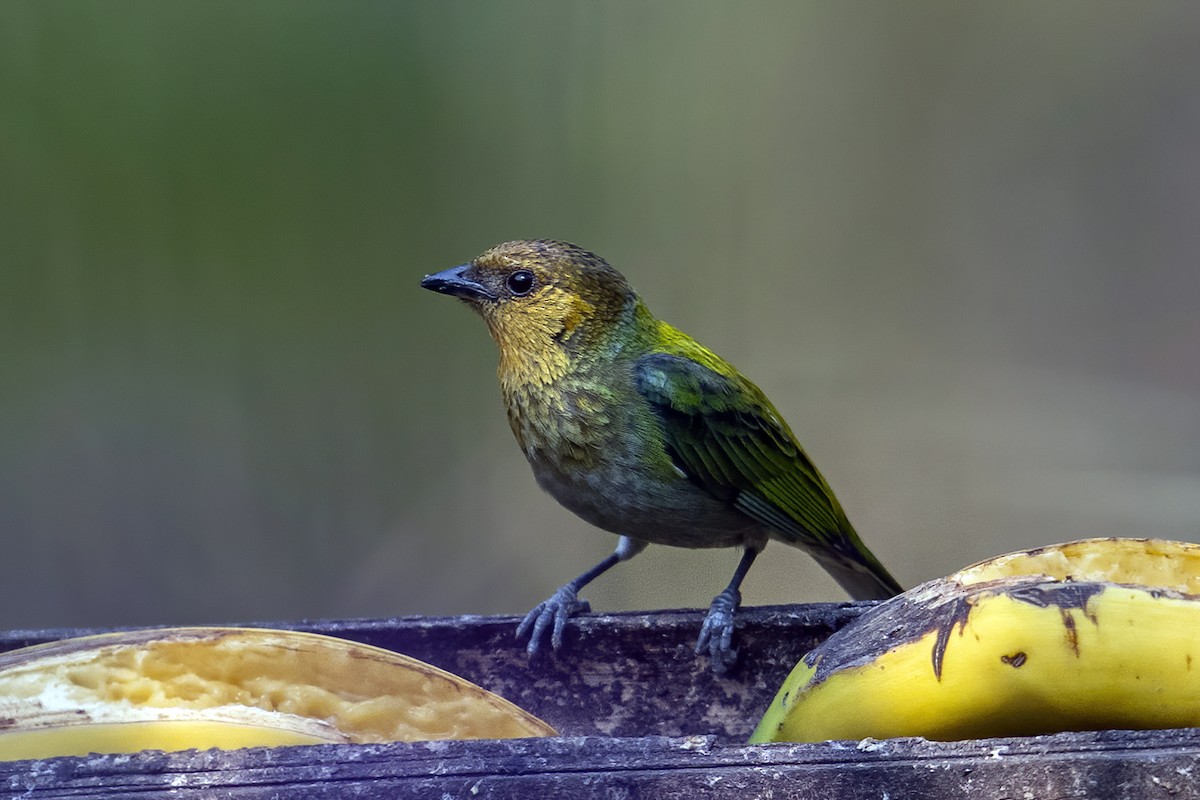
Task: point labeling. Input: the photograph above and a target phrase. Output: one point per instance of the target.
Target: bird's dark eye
(520, 282)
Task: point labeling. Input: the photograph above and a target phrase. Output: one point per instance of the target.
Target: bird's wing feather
(722, 432)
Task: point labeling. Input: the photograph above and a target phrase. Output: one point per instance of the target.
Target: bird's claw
(716, 634)
(555, 610)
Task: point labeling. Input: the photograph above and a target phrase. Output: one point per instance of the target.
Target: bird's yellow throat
(533, 337)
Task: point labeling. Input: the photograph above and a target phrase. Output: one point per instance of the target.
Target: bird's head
(545, 302)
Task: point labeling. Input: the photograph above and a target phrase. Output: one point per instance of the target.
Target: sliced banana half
(1089, 635)
(184, 688)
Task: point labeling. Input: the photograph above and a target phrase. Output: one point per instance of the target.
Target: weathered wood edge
(1145, 764)
(415, 629)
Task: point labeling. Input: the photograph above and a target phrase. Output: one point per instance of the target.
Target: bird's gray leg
(565, 602)
(716, 635)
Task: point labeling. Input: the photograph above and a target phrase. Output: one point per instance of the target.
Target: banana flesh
(187, 732)
(1089, 635)
(186, 688)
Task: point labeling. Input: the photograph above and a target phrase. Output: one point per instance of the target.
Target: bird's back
(725, 436)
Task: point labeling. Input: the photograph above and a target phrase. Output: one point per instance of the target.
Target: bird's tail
(836, 547)
(856, 569)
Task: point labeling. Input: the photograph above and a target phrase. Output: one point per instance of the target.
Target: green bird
(644, 432)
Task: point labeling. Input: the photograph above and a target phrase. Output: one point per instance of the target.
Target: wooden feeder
(640, 716)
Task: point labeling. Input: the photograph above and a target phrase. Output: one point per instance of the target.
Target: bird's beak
(454, 281)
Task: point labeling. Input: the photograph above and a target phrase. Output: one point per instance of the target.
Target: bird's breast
(591, 450)
(569, 425)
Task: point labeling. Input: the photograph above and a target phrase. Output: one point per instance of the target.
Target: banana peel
(1088, 635)
(184, 688)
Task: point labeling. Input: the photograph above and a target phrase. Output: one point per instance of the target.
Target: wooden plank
(1147, 764)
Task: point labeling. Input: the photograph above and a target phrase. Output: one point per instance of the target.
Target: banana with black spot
(1089, 635)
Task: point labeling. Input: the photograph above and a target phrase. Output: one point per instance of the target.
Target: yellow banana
(1088, 635)
(188, 688)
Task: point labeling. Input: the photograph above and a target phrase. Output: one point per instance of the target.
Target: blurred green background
(956, 243)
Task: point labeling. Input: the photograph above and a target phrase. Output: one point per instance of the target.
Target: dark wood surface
(640, 717)
(1147, 765)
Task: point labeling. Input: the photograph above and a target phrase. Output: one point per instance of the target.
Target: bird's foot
(716, 634)
(555, 610)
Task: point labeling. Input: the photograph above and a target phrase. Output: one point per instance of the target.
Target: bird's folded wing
(722, 433)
